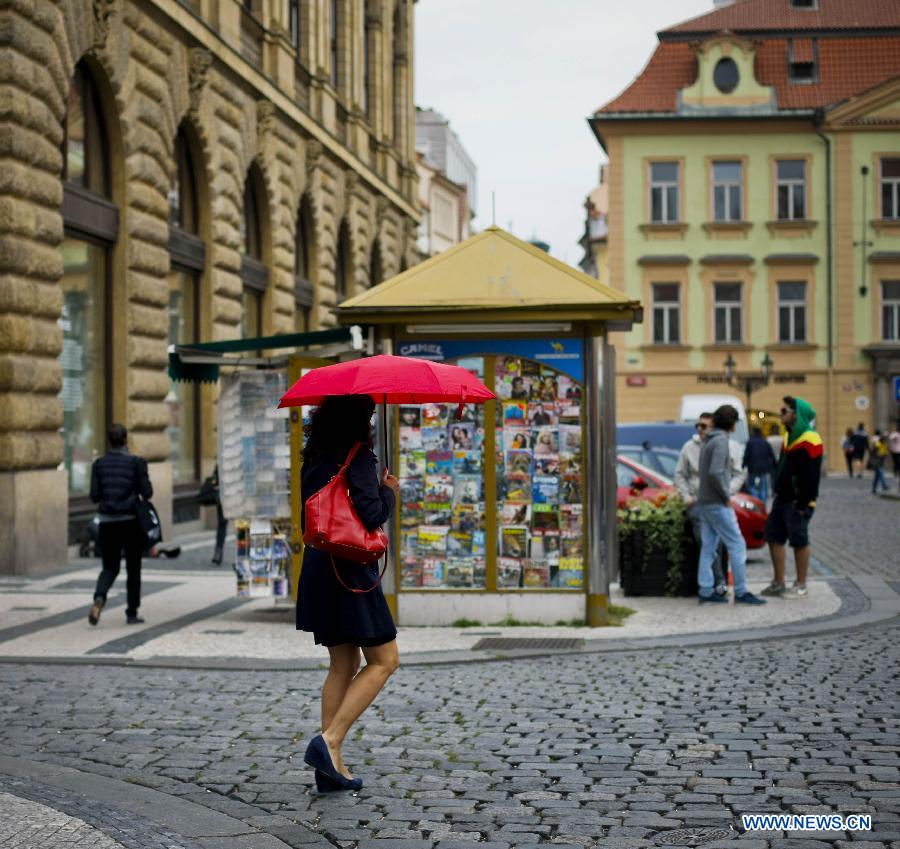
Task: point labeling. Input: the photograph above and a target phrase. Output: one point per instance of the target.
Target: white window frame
(728, 186)
(669, 216)
(793, 307)
(669, 313)
(790, 183)
(890, 314)
(894, 184)
(728, 308)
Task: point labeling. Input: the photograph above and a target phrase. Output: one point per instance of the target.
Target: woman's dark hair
(337, 425)
(725, 418)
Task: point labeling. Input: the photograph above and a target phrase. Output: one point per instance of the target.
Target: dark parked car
(655, 434)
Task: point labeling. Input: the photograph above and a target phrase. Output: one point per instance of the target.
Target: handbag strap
(353, 452)
(355, 589)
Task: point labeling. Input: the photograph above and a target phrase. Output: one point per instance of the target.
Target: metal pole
(599, 474)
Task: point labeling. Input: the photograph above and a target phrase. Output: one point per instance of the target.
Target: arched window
(187, 255)
(342, 265)
(304, 258)
(335, 42)
(91, 225)
(254, 274)
(376, 273)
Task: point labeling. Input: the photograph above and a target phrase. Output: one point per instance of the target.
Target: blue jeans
(718, 522)
(759, 486)
(879, 480)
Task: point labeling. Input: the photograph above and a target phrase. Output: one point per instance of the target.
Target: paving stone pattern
(25, 824)
(854, 532)
(621, 750)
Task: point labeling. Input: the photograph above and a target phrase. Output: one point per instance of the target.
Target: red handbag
(333, 526)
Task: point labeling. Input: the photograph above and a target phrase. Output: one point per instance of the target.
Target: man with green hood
(796, 489)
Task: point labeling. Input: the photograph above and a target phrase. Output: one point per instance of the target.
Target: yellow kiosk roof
(492, 274)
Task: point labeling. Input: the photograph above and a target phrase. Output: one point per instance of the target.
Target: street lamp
(749, 383)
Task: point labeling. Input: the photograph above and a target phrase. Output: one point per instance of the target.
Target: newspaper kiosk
(509, 510)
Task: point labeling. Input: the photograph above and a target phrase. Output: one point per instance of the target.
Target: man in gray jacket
(717, 519)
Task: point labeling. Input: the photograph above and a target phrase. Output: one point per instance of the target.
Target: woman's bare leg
(381, 663)
(345, 660)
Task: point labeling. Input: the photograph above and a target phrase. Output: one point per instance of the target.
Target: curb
(879, 602)
(200, 826)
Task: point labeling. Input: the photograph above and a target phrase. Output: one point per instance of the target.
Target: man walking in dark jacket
(796, 489)
(717, 518)
(759, 461)
(118, 481)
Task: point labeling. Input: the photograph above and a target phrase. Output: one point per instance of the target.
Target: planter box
(645, 572)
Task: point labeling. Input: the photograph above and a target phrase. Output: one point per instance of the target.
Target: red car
(634, 480)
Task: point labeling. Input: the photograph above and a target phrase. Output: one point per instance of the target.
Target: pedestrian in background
(687, 482)
(118, 481)
(849, 450)
(775, 440)
(335, 598)
(860, 448)
(717, 518)
(894, 448)
(796, 488)
(759, 461)
(878, 454)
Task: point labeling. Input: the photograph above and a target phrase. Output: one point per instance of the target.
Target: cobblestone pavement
(622, 750)
(29, 824)
(854, 532)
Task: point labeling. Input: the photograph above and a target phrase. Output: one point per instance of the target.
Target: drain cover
(692, 836)
(507, 643)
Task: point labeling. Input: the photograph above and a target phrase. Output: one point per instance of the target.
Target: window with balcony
(664, 192)
(790, 189)
(890, 310)
(791, 312)
(728, 313)
(666, 314)
(890, 188)
(727, 191)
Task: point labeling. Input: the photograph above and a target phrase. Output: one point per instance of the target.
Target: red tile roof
(777, 15)
(847, 67)
(848, 64)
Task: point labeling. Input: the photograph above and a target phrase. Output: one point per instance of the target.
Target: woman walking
(347, 623)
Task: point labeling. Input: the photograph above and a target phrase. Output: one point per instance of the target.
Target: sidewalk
(193, 618)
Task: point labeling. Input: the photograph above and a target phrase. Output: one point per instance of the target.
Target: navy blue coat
(759, 458)
(334, 614)
(117, 479)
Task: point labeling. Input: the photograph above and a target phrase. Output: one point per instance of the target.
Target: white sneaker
(796, 591)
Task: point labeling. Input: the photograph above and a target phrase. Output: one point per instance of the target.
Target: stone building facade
(178, 170)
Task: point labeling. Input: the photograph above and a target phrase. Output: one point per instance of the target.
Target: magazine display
(539, 466)
(538, 443)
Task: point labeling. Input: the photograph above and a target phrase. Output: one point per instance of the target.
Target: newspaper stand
(508, 510)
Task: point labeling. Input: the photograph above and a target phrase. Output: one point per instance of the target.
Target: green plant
(511, 622)
(662, 523)
(465, 623)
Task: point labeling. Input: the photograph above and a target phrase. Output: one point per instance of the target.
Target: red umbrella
(389, 380)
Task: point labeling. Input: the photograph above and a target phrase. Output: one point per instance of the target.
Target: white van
(693, 405)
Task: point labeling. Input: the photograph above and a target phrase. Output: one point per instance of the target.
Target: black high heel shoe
(319, 759)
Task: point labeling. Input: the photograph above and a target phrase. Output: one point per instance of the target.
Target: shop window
(890, 188)
(664, 192)
(791, 312)
(727, 313)
(666, 314)
(790, 188)
(727, 188)
(537, 506)
(91, 228)
(890, 310)
(182, 399)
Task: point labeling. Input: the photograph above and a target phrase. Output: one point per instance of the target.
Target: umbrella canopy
(389, 380)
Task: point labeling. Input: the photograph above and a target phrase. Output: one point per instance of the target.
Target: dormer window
(803, 60)
(726, 75)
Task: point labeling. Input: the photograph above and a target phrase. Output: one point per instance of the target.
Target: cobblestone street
(622, 750)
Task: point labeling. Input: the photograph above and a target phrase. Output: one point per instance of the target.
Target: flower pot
(645, 571)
